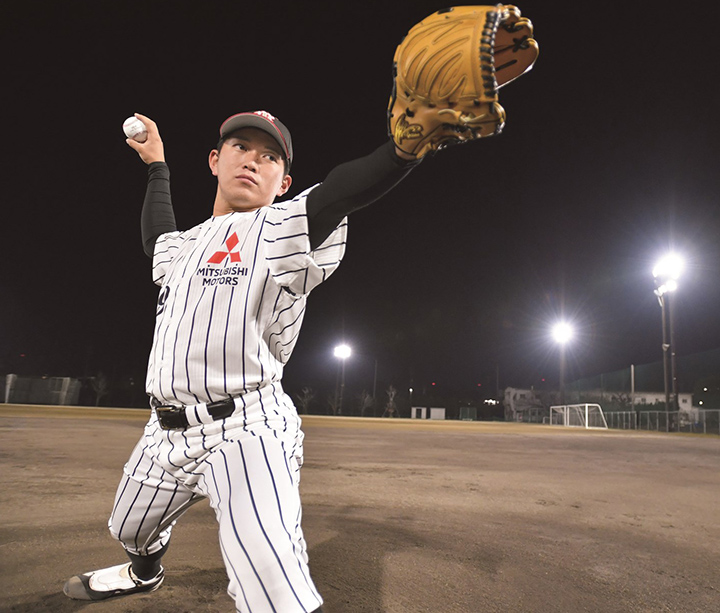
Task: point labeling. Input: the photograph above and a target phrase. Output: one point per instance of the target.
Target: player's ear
(213, 161)
(285, 185)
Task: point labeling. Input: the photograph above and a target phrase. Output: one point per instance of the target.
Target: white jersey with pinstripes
(232, 300)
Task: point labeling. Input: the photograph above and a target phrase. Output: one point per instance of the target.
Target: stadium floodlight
(562, 332)
(342, 352)
(666, 273)
(668, 270)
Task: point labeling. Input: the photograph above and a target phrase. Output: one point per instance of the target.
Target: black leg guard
(147, 567)
(318, 610)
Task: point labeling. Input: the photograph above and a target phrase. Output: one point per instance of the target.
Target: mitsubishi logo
(219, 256)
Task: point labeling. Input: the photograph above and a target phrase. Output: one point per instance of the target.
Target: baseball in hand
(135, 129)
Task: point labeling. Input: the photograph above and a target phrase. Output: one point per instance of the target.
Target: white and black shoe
(110, 582)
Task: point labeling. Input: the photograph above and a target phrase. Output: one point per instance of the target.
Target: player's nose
(251, 162)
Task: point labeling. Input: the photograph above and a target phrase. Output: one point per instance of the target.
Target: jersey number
(162, 298)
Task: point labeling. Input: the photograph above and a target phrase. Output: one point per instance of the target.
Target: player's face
(250, 172)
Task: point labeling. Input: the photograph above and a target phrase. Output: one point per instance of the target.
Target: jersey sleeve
(293, 264)
(166, 247)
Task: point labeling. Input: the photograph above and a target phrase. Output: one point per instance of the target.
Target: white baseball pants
(251, 477)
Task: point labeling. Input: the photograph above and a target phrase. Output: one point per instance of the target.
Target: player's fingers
(144, 118)
(149, 123)
(150, 151)
(133, 144)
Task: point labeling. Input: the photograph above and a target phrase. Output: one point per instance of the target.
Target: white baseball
(135, 129)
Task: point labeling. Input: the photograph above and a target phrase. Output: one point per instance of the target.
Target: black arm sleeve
(352, 186)
(157, 215)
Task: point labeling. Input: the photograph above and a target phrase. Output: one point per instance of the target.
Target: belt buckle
(166, 414)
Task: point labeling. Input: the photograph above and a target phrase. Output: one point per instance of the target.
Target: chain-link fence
(700, 421)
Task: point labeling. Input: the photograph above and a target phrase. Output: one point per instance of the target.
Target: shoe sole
(78, 588)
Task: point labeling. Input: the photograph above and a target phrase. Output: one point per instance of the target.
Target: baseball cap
(262, 120)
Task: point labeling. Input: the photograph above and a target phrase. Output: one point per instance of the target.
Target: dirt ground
(401, 516)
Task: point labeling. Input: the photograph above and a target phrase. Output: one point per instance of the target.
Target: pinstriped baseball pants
(251, 480)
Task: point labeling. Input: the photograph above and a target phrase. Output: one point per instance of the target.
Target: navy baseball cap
(262, 120)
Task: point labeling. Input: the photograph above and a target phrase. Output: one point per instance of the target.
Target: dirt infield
(401, 516)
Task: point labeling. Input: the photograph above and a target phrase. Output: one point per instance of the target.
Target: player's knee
(122, 537)
(115, 533)
(137, 541)
(120, 532)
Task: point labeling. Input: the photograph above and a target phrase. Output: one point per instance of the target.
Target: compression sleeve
(352, 186)
(157, 215)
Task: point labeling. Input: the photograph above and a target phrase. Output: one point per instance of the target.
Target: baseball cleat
(110, 582)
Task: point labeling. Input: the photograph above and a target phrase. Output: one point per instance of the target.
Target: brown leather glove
(447, 72)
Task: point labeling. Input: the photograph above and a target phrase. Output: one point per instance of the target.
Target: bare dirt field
(401, 516)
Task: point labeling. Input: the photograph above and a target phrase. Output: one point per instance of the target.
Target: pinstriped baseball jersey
(232, 300)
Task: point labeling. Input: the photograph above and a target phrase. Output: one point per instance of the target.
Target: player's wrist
(408, 157)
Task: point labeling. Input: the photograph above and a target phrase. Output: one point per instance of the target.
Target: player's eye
(240, 146)
(272, 157)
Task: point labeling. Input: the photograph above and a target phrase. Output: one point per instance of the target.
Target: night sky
(610, 157)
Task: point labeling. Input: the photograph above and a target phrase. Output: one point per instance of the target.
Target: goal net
(578, 415)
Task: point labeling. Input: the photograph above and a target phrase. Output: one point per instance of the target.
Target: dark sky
(609, 157)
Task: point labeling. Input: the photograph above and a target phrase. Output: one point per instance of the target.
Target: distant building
(427, 413)
(523, 405)
(645, 398)
(623, 401)
(41, 390)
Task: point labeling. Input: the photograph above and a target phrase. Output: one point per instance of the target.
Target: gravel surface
(401, 516)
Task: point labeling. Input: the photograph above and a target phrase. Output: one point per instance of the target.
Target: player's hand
(152, 150)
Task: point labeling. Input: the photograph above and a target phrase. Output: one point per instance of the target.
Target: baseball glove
(447, 72)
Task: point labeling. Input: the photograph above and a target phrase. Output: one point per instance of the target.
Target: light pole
(666, 274)
(562, 332)
(342, 352)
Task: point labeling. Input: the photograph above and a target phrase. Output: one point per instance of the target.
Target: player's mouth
(246, 179)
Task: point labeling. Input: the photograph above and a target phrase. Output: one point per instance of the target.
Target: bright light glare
(671, 285)
(562, 332)
(668, 286)
(343, 352)
(669, 267)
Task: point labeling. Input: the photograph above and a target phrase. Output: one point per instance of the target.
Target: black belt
(175, 418)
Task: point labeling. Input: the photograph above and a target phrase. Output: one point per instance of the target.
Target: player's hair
(286, 165)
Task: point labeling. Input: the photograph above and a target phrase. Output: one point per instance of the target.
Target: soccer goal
(578, 416)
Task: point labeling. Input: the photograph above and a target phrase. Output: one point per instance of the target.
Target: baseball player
(233, 292)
